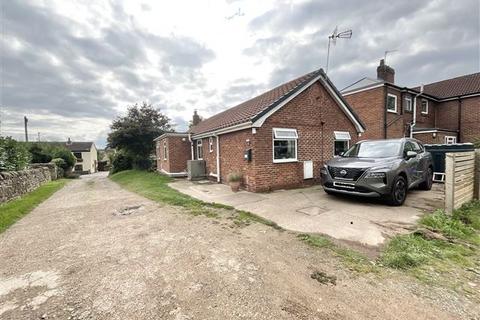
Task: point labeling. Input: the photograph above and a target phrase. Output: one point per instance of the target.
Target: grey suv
(380, 168)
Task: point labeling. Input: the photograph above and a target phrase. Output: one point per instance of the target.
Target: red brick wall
(178, 152)
(447, 115)
(232, 148)
(210, 157)
(470, 120)
(428, 137)
(369, 107)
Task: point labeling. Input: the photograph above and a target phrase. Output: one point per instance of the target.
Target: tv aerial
(347, 34)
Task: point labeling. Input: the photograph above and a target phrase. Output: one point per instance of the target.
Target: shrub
(234, 176)
(61, 164)
(120, 162)
(39, 155)
(66, 155)
(142, 164)
(13, 155)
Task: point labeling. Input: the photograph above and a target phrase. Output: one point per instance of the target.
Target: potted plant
(235, 179)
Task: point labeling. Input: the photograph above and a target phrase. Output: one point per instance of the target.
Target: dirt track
(76, 257)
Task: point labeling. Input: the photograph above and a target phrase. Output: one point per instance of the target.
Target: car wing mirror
(410, 154)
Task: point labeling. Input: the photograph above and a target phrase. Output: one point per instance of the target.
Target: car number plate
(344, 185)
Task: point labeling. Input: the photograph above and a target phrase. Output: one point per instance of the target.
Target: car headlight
(376, 175)
(323, 170)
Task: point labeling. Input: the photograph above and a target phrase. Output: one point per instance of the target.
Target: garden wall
(14, 184)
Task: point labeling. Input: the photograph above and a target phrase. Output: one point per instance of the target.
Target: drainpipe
(414, 121)
(385, 101)
(218, 158)
(459, 126)
(191, 145)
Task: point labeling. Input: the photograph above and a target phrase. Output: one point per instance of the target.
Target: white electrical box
(308, 169)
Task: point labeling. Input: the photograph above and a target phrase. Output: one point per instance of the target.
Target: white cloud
(72, 66)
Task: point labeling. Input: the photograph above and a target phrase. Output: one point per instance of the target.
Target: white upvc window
(210, 144)
(408, 104)
(424, 106)
(165, 150)
(341, 142)
(199, 149)
(450, 139)
(284, 145)
(391, 103)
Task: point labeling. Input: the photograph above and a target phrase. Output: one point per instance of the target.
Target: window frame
(446, 138)
(335, 139)
(340, 140)
(408, 99)
(165, 157)
(199, 147)
(421, 106)
(391, 95)
(210, 144)
(284, 139)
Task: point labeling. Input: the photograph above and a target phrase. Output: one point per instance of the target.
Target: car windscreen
(374, 149)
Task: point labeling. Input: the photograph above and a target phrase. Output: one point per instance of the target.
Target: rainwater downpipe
(414, 120)
(218, 158)
(191, 145)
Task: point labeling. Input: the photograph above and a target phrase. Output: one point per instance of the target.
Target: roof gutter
(237, 127)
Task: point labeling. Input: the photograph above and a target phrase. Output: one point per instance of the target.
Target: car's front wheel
(399, 192)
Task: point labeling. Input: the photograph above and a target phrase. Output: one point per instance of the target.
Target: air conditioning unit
(196, 169)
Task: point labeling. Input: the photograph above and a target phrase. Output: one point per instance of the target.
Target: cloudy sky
(73, 66)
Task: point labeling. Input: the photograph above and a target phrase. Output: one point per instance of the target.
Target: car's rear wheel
(427, 183)
(399, 192)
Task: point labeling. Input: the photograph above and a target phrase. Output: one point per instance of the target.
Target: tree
(133, 133)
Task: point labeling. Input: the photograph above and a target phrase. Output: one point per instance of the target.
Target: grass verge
(450, 246)
(12, 211)
(352, 259)
(155, 187)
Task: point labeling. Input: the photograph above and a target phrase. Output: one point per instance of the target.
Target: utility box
(439, 153)
(196, 169)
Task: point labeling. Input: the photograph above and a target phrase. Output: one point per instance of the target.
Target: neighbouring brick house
(173, 152)
(447, 111)
(279, 139)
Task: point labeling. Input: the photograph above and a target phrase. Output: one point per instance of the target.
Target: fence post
(449, 182)
(476, 193)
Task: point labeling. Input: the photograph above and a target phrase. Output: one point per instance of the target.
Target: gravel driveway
(96, 251)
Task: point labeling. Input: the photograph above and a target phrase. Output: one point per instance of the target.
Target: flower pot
(235, 185)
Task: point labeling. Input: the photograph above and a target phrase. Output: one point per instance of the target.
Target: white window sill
(285, 160)
(392, 111)
(424, 113)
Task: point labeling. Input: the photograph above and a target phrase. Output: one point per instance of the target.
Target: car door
(422, 159)
(412, 163)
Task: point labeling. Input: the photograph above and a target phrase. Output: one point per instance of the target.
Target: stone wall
(14, 184)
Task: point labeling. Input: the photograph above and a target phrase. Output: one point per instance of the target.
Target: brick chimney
(385, 72)
(196, 118)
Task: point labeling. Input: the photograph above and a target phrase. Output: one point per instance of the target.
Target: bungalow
(447, 111)
(279, 139)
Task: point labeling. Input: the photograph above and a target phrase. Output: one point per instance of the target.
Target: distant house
(279, 139)
(447, 111)
(86, 154)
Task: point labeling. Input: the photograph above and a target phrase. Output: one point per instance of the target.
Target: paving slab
(366, 221)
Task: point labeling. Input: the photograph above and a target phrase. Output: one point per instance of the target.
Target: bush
(13, 155)
(60, 163)
(66, 155)
(39, 155)
(120, 162)
(142, 164)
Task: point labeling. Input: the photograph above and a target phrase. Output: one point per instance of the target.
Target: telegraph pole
(25, 120)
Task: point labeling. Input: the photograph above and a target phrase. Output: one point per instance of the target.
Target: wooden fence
(476, 188)
(459, 179)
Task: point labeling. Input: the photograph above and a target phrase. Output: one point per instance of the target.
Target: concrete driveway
(364, 221)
